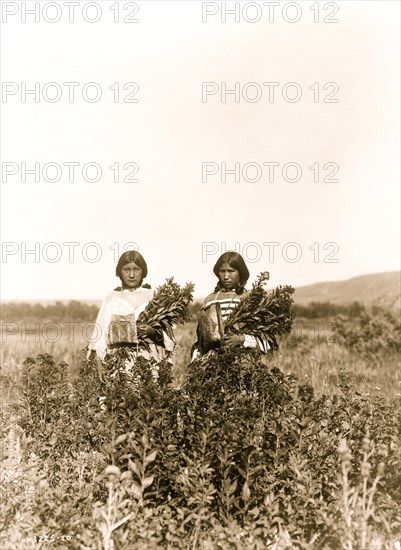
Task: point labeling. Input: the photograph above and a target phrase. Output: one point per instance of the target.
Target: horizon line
(196, 297)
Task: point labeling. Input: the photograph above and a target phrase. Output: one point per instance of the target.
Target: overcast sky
(334, 108)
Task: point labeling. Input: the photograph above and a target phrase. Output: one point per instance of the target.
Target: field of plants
(298, 450)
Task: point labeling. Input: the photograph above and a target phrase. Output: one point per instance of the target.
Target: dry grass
(312, 354)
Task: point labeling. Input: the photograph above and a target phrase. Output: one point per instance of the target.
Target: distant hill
(383, 288)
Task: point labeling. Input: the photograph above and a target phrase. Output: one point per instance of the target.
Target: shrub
(376, 330)
(240, 456)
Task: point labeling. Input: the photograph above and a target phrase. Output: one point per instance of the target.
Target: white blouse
(124, 302)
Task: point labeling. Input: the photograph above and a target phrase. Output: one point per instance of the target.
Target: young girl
(232, 274)
(116, 324)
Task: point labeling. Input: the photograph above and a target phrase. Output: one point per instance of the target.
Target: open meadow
(301, 450)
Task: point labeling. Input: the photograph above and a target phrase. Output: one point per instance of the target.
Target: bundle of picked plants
(167, 309)
(263, 314)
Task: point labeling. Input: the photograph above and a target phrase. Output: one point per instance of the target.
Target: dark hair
(235, 260)
(131, 256)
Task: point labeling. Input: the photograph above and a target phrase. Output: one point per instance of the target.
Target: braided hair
(236, 261)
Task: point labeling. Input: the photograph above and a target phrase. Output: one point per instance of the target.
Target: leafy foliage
(168, 307)
(262, 314)
(376, 330)
(241, 455)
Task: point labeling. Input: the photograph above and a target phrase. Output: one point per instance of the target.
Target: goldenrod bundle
(168, 307)
(262, 314)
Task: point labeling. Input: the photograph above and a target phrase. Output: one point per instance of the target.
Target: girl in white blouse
(116, 324)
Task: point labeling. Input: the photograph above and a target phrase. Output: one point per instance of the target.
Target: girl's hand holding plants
(233, 340)
(91, 355)
(147, 330)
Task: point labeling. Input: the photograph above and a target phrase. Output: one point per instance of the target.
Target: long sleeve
(253, 342)
(169, 343)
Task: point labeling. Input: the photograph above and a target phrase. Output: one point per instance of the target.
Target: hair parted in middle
(131, 256)
(235, 260)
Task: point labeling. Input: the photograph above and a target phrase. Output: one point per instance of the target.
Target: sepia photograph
(200, 275)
